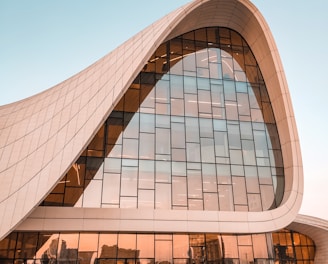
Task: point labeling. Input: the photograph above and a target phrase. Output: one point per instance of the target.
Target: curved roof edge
(317, 230)
(42, 136)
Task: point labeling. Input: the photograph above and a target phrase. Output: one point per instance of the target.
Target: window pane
(145, 245)
(176, 86)
(130, 148)
(192, 130)
(260, 246)
(211, 202)
(193, 152)
(163, 141)
(163, 171)
(229, 244)
(194, 184)
(267, 196)
(126, 246)
(179, 191)
(129, 181)
(68, 241)
(146, 174)
(225, 198)
(163, 196)
(207, 150)
(163, 251)
(191, 106)
(146, 199)
(180, 246)
(88, 245)
(209, 178)
(239, 190)
(178, 135)
(147, 146)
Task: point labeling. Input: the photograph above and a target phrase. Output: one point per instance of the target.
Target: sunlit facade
(178, 147)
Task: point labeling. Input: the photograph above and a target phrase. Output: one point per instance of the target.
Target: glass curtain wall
(283, 247)
(195, 131)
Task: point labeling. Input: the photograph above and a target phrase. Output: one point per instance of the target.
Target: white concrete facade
(42, 136)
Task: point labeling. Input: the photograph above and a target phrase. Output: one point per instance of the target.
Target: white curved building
(183, 139)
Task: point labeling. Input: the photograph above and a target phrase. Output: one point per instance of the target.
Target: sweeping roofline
(317, 230)
(42, 136)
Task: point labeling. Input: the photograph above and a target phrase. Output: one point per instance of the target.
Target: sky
(42, 43)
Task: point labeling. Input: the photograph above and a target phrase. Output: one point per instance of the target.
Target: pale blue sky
(45, 42)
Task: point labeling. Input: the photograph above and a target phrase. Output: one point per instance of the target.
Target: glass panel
(27, 246)
(68, 247)
(195, 204)
(130, 148)
(229, 244)
(107, 246)
(131, 130)
(190, 85)
(223, 174)
(179, 168)
(204, 96)
(192, 130)
(207, 150)
(225, 197)
(179, 191)
(246, 254)
(148, 123)
(193, 152)
(239, 190)
(163, 141)
(254, 202)
(162, 91)
(163, 196)
(178, 135)
(92, 194)
(206, 127)
(221, 144)
(177, 107)
(191, 106)
(163, 251)
(163, 171)
(209, 178)
(129, 181)
(145, 245)
(194, 184)
(147, 141)
(260, 246)
(126, 246)
(146, 199)
(180, 246)
(267, 196)
(128, 202)
(234, 137)
(88, 246)
(248, 152)
(146, 174)
(211, 202)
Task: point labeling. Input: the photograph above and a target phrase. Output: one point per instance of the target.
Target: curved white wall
(317, 230)
(41, 136)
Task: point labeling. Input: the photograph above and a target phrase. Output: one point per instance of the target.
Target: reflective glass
(200, 100)
(289, 246)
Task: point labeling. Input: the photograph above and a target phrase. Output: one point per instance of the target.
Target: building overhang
(42, 136)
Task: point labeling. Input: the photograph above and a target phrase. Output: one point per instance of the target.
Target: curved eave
(317, 230)
(43, 135)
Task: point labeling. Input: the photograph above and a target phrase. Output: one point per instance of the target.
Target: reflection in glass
(200, 99)
(283, 246)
